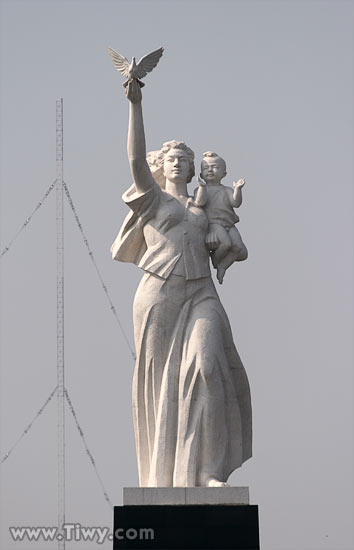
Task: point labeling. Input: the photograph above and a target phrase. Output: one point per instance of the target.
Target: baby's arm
(236, 197)
(201, 194)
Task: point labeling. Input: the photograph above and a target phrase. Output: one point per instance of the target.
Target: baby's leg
(217, 233)
(237, 244)
(237, 253)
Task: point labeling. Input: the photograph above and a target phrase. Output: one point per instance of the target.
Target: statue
(219, 201)
(191, 398)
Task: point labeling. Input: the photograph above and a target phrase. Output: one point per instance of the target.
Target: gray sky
(269, 86)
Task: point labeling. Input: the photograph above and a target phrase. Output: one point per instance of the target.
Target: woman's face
(176, 166)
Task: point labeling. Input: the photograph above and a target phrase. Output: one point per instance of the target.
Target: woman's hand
(133, 91)
(212, 240)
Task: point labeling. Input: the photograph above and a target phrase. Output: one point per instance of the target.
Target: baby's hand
(201, 182)
(239, 183)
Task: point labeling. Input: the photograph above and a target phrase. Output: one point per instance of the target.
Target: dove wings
(145, 65)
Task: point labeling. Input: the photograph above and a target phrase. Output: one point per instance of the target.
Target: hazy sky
(269, 86)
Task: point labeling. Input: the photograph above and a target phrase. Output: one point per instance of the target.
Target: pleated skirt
(191, 398)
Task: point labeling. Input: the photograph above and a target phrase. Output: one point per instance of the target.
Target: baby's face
(212, 170)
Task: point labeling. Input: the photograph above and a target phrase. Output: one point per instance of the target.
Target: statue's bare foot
(220, 274)
(216, 483)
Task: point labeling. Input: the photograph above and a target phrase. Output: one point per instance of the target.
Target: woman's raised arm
(136, 140)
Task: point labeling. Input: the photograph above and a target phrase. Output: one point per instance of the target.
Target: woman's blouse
(168, 237)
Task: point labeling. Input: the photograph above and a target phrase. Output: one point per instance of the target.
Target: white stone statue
(191, 399)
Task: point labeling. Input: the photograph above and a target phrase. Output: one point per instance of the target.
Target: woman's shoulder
(132, 193)
(143, 203)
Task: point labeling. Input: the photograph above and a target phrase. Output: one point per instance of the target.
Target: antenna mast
(60, 323)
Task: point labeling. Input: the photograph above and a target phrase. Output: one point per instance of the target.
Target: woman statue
(191, 399)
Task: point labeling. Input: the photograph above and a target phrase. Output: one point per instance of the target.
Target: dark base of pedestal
(185, 527)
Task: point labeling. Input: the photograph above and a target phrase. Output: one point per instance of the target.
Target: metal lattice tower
(60, 320)
(62, 191)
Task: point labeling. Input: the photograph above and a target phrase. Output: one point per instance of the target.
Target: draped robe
(191, 399)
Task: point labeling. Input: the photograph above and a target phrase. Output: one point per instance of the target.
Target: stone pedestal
(194, 518)
(151, 496)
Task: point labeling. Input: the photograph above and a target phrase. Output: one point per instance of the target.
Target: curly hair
(155, 161)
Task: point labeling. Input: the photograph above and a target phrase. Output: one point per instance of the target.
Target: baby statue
(219, 201)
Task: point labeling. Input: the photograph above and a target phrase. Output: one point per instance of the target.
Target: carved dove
(133, 70)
